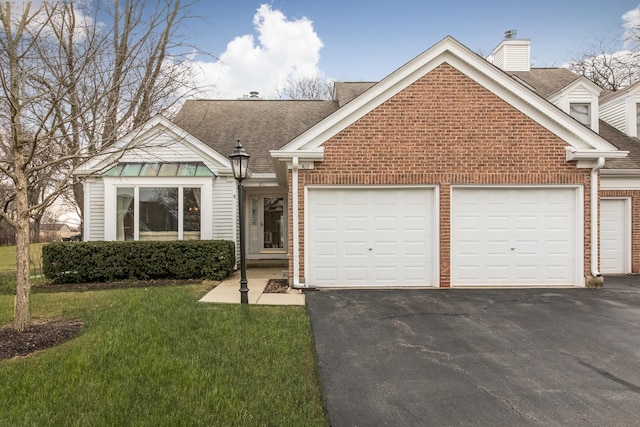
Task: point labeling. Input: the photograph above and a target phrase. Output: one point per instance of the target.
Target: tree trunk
(35, 229)
(22, 315)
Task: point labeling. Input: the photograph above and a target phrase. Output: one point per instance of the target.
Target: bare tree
(306, 88)
(69, 87)
(608, 68)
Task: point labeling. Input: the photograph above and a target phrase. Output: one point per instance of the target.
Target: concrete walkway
(228, 291)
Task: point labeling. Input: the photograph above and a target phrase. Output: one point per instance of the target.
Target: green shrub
(79, 262)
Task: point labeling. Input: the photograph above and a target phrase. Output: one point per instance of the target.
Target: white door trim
(435, 224)
(578, 273)
(627, 231)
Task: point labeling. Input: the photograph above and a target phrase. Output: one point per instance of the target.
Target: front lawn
(8, 258)
(157, 357)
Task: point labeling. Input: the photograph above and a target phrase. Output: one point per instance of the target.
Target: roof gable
(158, 140)
(580, 84)
(577, 136)
(609, 96)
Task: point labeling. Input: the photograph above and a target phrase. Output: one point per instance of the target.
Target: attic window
(159, 169)
(581, 112)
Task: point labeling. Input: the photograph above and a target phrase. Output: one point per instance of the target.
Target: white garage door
(509, 236)
(613, 236)
(370, 237)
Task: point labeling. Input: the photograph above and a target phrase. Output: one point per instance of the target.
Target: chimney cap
(509, 34)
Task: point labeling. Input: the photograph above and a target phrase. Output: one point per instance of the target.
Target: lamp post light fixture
(240, 163)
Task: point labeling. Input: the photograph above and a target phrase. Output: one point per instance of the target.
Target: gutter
(595, 256)
(296, 224)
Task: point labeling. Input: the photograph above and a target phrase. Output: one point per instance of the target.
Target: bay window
(158, 213)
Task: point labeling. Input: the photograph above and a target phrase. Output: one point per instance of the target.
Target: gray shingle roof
(261, 125)
(623, 143)
(345, 92)
(546, 81)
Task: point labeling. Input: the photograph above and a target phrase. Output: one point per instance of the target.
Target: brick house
(451, 171)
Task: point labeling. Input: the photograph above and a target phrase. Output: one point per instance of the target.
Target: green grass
(8, 258)
(156, 357)
(8, 267)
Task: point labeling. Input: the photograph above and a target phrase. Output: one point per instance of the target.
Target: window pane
(168, 169)
(158, 213)
(131, 169)
(191, 213)
(273, 223)
(125, 210)
(581, 113)
(637, 120)
(187, 169)
(203, 171)
(150, 169)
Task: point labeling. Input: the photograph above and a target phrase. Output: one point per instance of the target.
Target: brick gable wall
(444, 129)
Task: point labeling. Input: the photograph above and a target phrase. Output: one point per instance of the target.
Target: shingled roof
(345, 92)
(623, 143)
(261, 125)
(546, 81)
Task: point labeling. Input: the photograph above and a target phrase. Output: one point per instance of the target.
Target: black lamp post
(240, 163)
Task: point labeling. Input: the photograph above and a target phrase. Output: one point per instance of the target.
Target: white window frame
(584, 104)
(110, 196)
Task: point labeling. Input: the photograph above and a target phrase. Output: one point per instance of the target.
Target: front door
(272, 224)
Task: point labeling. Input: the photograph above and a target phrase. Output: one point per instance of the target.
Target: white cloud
(631, 22)
(284, 48)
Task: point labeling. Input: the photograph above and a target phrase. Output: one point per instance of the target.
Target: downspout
(296, 224)
(595, 272)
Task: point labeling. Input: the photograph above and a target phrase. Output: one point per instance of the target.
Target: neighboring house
(51, 232)
(451, 171)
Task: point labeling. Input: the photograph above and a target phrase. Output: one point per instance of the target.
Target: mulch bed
(277, 286)
(39, 336)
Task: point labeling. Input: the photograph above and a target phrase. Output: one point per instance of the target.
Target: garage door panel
(326, 248)
(496, 273)
(494, 247)
(386, 248)
(355, 223)
(388, 235)
(522, 236)
(388, 273)
(353, 249)
(384, 223)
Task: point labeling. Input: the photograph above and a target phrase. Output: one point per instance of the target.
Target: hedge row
(80, 262)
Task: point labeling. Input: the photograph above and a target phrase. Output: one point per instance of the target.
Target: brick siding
(444, 129)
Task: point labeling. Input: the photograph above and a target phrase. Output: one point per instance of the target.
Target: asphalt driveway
(480, 357)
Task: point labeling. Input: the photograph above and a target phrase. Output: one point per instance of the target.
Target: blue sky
(365, 41)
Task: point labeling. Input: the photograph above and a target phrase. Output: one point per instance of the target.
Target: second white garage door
(380, 236)
(514, 236)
